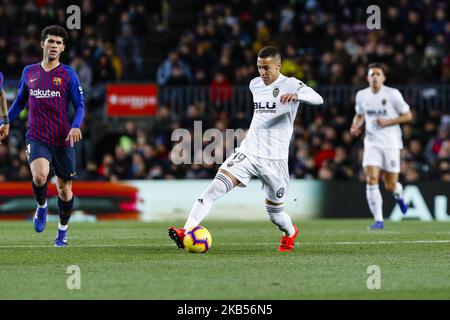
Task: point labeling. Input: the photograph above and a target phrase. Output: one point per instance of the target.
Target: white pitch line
(388, 242)
(231, 244)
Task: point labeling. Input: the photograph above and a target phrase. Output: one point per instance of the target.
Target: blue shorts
(62, 159)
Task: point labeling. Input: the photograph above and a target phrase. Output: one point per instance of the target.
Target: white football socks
(216, 189)
(375, 201)
(280, 218)
(398, 192)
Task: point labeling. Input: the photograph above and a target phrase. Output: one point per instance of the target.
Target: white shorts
(274, 174)
(386, 159)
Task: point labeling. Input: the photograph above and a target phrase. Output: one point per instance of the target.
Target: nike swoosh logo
(72, 174)
(32, 80)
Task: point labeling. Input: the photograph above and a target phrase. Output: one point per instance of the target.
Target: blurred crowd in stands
(106, 48)
(322, 43)
(322, 149)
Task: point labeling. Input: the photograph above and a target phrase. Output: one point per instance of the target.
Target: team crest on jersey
(280, 193)
(57, 81)
(230, 164)
(275, 92)
(383, 102)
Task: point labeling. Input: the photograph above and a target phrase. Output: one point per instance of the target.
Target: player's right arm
(358, 119)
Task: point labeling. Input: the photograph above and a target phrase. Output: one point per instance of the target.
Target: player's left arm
(401, 107)
(77, 98)
(302, 93)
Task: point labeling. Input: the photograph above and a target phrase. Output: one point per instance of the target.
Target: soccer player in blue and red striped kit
(48, 87)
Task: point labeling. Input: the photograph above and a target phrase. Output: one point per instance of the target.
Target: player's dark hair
(269, 52)
(55, 30)
(378, 65)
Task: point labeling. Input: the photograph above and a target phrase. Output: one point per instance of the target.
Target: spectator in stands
(165, 70)
(290, 65)
(221, 91)
(128, 48)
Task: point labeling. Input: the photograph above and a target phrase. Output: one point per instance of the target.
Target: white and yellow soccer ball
(197, 240)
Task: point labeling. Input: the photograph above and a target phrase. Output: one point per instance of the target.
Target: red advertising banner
(104, 200)
(131, 100)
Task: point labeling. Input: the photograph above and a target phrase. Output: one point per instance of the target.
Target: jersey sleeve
(21, 99)
(306, 94)
(358, 104)
(399, 103)
(77, 98)
(1, 82)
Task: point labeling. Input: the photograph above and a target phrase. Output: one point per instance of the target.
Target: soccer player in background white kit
(383, 109)
(264, 151)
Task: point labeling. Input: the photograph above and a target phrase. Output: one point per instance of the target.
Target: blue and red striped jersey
(48, 94)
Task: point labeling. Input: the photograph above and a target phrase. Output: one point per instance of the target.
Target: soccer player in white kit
(383, 109)
(264, 151)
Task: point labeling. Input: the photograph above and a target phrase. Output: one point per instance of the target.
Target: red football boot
(177, 235)
(287, 243)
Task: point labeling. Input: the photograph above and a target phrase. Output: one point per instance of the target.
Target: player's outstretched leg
(65, 205)
(281, 219)
(221, 184)
(40, 217)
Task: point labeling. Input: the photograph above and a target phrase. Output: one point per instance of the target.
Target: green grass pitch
(136, 260)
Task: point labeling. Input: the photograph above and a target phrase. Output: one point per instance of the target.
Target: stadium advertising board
(427, 201)
(131, 100)
(162, 200)
(94, 201)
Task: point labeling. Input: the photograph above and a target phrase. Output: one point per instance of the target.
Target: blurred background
(148, 68)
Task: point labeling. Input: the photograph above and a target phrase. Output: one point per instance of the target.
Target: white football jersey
(271, 128)
(387, 103)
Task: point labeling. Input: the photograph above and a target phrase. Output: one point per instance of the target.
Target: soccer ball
(197, 240)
